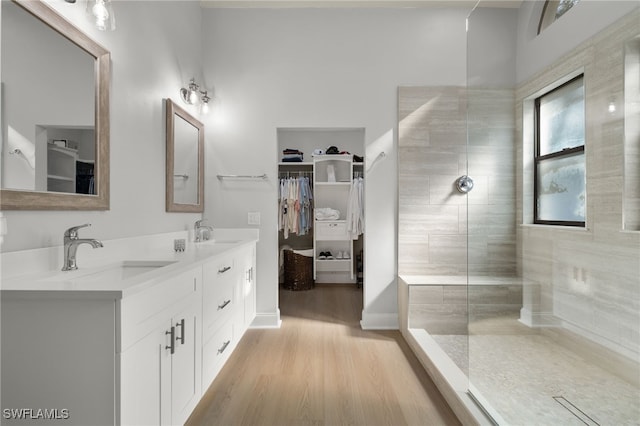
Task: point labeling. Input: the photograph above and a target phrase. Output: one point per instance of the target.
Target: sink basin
(217, 241)
(115, 272)
(127, 269)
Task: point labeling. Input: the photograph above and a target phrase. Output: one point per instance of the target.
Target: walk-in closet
(321, 217)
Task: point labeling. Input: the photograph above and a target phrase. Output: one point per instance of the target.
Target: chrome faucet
(71, 243)
(201, 232)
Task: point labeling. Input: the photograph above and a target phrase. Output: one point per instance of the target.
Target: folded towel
(326, 213)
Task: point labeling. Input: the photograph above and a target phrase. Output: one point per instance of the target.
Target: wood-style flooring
(321, 368)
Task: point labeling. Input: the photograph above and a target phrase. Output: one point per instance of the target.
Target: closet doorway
(320, 207)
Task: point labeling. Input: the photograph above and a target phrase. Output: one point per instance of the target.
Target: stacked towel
(292, 156)
(327, 213)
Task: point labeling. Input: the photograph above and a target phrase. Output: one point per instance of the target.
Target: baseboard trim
(267, 320)
(387, 321)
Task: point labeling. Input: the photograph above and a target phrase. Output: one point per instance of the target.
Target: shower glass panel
(553, 318)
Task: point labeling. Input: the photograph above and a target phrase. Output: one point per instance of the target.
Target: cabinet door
(186, 364)
(145, 369)
(250, 288)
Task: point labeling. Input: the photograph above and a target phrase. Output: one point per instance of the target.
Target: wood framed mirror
(185, 160)
(55, 83)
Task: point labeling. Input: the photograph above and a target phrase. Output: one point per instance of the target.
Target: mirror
(54, 118)
(185, 161)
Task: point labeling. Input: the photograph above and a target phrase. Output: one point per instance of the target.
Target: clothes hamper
(298, 271)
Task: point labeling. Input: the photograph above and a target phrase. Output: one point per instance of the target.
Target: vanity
(134, 336)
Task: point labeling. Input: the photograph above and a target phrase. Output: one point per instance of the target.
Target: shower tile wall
(587, 280)
(432, 234)
(432, 155)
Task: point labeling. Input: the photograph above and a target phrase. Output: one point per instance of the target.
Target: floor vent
(581, 415)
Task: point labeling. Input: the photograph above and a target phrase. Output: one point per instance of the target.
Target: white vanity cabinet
(139, 352)
(228, 307)
(160, 359)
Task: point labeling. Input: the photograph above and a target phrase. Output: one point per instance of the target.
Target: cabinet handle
(223, 270)
(224, 346)
(224, 304)
(172, 333)
(181, 337)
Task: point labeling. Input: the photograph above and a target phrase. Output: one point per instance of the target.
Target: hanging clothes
(355, 208)
(294, 201)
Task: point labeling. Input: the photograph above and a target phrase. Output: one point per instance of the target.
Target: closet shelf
(333, 183)
(296, 163)
(58, 177)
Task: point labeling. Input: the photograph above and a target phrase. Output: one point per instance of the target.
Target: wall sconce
(101, 12)
(191, 95)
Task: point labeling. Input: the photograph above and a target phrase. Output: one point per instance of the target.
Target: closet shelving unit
(61, 168)
(333, 176)
(325, 235)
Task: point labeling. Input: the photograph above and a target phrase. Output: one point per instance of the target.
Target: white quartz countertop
(119, 272)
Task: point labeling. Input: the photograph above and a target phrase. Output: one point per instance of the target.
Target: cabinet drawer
(333, 265)
(142, 312)
(215, 352)
(331, 230)
(220, 290)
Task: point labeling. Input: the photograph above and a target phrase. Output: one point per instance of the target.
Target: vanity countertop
(118, 273)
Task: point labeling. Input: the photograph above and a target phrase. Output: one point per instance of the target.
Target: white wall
(154, 51)
(319, 68)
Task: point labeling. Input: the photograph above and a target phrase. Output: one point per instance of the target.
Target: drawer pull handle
(181, 337)
(224, 304)
(224, 347)
(223, 270)
(172, 333)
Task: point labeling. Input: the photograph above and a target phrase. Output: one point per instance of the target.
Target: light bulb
(205, 108)
(101, 13)
(612, 107)
(193, 97)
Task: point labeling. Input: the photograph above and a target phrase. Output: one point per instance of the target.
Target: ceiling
(357, 3)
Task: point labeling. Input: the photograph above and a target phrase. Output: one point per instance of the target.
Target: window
(560, 182)
(552, 10)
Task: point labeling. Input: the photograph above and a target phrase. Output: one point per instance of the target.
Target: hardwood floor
(320, 368)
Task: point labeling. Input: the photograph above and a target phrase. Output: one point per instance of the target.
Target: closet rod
(262, 176)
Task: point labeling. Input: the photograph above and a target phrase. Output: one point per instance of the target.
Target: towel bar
(262, 176)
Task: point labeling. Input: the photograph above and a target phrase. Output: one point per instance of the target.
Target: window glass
(552, 10)
(563, 6)
(561, 189)
(562, 118)
(560, 175)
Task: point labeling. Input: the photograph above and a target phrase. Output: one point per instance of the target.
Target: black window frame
(564, 153)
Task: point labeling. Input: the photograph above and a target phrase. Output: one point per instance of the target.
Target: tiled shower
(542, 321)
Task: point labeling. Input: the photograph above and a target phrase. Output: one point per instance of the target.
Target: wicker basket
(298, 271)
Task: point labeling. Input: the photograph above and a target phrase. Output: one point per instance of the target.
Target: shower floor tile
(520, 374)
